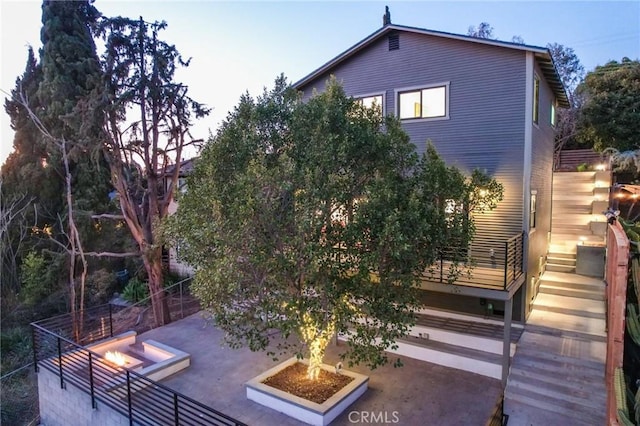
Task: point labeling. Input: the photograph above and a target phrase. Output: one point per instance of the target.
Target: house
(483, 104)
(170, 255)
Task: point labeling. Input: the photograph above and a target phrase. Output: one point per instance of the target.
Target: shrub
(101, 285)
(135, 290)
(38, 278)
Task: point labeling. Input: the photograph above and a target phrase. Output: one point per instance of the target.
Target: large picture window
(428, 102)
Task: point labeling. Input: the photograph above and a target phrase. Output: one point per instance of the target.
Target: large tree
(317, 218)
(610, 115)
(146, 122)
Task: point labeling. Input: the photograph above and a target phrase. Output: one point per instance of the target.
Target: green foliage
(583, 167)
(38, 276)
(315, 215)
(135, 290)
(610, 116)
(101, 284)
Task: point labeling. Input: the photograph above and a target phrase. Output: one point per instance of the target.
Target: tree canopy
(317, 217)
(610, 115)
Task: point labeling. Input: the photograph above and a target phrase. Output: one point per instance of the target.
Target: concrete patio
(419, 393)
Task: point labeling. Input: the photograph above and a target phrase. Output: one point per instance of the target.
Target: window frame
(419, 89)
(554, 113)
(536, 99)
(360, 97)
(533, 208)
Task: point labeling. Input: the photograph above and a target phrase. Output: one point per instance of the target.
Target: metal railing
(138, 398)
(104, 321)
(59, 346)
(494, 265)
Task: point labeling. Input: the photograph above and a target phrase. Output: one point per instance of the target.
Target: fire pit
(151, 359)
(119, 359)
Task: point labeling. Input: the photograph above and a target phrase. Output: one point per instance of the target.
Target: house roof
(542, 55)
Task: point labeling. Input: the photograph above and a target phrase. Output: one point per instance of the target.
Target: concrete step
(569, 194)
(559, 324)
(569, 351)
(529, 413)
(560, 290)
(574, 176)
(576, 230)
(582, 415)
(557, 235)
(559, 255)
(580, 186)
(573, 281)
(563, 248)
(587, 308)
(475, 361)
(551, 369)
(560, 267)
(562, 260)
(572, 219)
(587, 392)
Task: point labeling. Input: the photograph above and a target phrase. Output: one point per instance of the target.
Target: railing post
(441, 265)
(176, 414)
(506, 263)
(181, 302)
(110, 322)
(129, 398)
(93, 396)
(34, 347)
(60, 362)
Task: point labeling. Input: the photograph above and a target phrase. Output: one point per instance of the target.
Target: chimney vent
(386, 18)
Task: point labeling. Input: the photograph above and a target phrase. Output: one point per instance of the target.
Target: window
(553, 113)
(532, 209)
(374, 101)
(428, 102)
(536, 99)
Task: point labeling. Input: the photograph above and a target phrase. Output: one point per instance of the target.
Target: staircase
(557, 372)
(579, 198)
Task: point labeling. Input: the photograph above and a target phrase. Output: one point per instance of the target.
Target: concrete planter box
(302, 409)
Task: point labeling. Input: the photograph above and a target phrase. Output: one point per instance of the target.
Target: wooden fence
(569, 160)
(617, 269)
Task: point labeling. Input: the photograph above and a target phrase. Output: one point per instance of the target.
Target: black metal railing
(59, 345)
(138, 398)
(493, 264)
(100, 322)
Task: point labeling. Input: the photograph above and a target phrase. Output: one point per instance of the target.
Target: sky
(243, 46)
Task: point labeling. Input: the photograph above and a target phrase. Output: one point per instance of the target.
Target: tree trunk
(153, 265)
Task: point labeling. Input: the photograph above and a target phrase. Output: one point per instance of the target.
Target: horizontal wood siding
(486, 109)
(543, 135)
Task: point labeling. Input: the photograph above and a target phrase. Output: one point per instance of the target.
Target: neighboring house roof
(542, 54)
(186, 167)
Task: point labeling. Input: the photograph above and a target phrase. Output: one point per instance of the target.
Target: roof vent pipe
(386, 18)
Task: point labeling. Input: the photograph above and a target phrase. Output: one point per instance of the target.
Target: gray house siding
(485, 128)
(543, 135)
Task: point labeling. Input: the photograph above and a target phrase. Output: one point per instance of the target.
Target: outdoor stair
(578, 201)
(456, 341)
(557, 371)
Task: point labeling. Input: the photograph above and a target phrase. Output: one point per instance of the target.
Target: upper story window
(554, 118)
(536, 99)
(424, 102)
(374, 101)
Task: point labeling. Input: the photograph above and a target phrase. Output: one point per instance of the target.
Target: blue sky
(242, 46)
